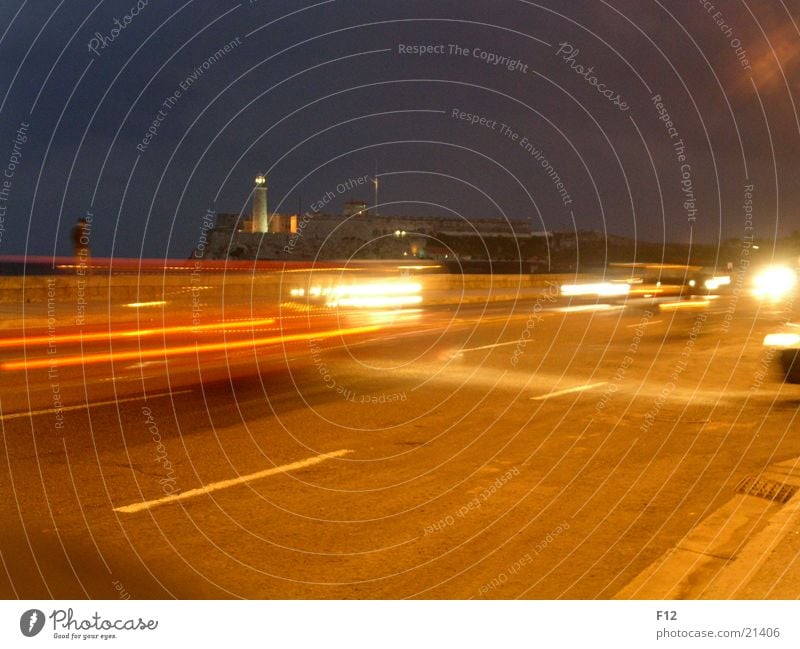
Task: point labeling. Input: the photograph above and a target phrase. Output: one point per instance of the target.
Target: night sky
(315, 93)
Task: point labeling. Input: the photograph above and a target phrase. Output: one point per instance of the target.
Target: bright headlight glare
(603, 289)
(782, 340)
(715, 282)
(774, 282)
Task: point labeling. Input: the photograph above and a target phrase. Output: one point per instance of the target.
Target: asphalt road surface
(524, 450)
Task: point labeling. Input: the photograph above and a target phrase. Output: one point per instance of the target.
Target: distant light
(782, 340)
(397, 233)
(692, 283)
(139, 305)
(260, 180)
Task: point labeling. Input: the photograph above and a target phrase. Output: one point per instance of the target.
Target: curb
(724, 556)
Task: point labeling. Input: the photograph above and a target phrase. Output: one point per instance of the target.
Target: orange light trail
(177, 351)
(30, 341)
(692, 304)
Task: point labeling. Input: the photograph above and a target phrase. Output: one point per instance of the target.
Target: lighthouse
(259, 218)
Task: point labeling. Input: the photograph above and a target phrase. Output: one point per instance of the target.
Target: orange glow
(367, 295)
(111, 264)
(419, 267)
(30, 341)
(184, 350)
(773, 59)
(647, 291)
(374, 295)
(690, 304)
(141, 305)
(601, 289)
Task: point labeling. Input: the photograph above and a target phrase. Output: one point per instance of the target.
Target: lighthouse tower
(259, 218)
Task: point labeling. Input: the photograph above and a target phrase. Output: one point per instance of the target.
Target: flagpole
(375, 180)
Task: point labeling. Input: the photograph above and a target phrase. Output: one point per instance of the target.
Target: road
(514, 450)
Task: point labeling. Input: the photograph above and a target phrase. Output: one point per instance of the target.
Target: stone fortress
(356, 232)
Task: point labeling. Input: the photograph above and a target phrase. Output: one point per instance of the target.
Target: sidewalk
(747, 549)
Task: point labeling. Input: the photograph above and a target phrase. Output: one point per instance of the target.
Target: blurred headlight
(603, 289)
(715, 282)
(774, 283)
(683, 304)
(374, 295)
(782, 340)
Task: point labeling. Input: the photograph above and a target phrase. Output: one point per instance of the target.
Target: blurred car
(787, 344)
(650, 285)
